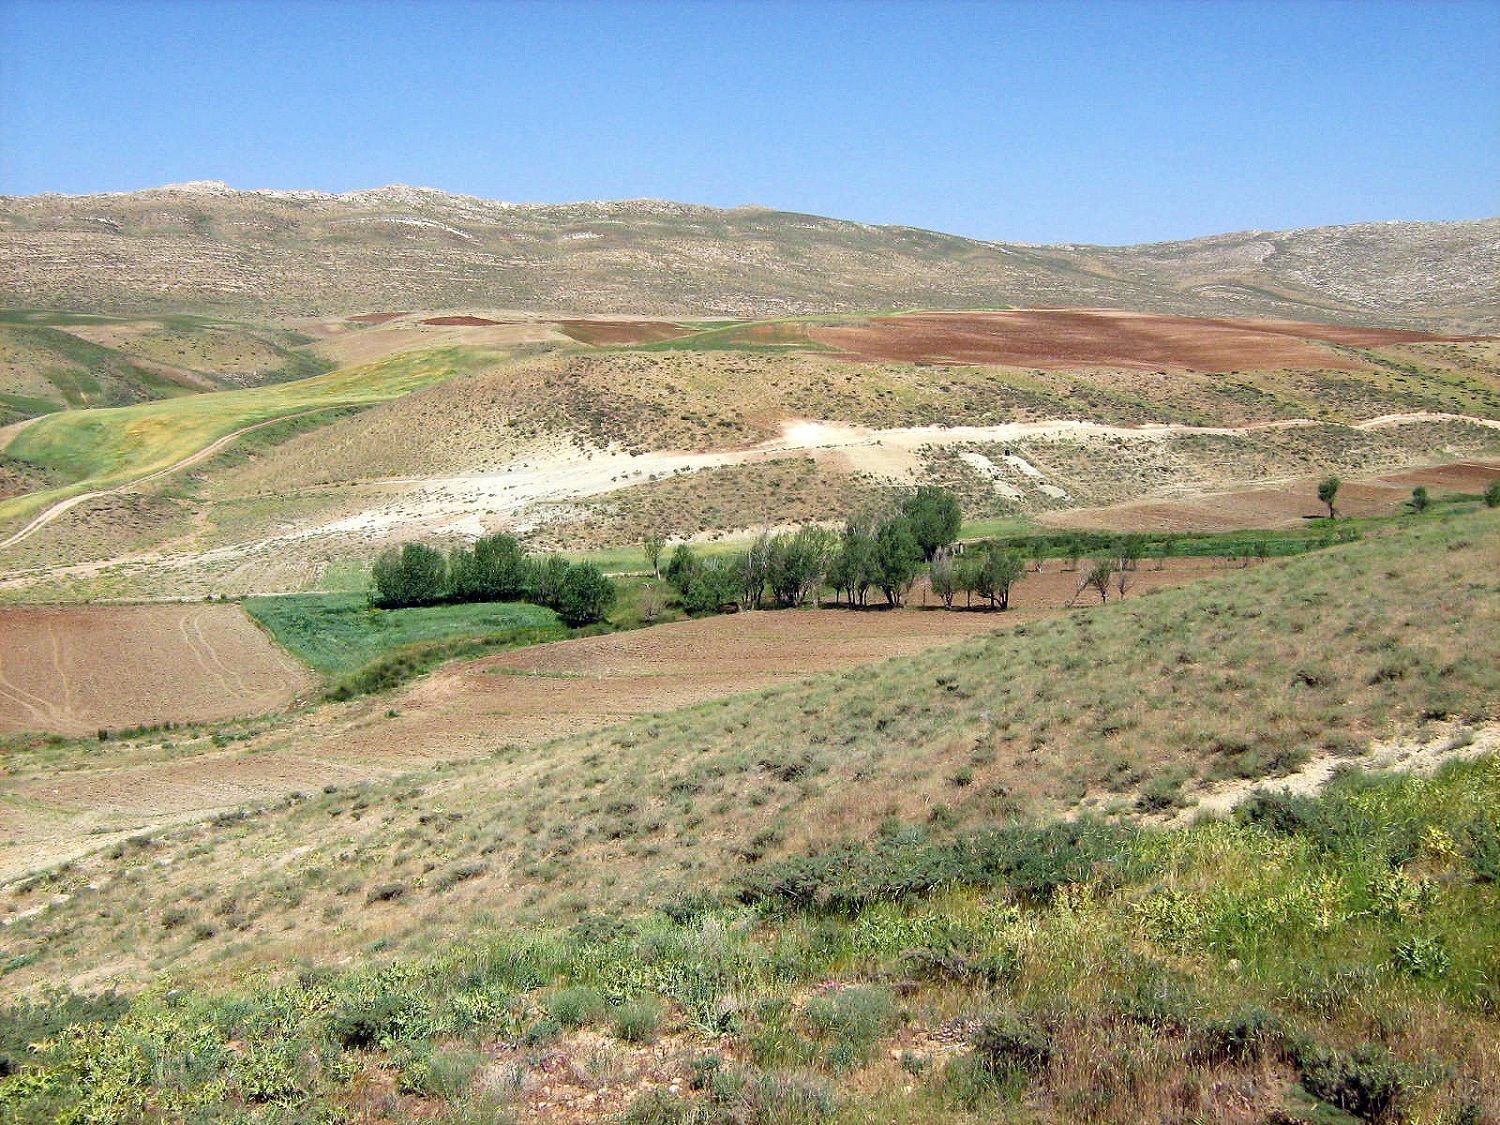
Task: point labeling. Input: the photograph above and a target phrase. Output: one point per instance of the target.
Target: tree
(1097, 577)
(1420, 500)
(1328, 491)
(713, 585)
(754, 570)
(796, 563)
(651, 602)
(943, 576)
(1492, 494)
(853, 569)
(584, 595)
(1168, 545)
(653, 546)
(897, 558)
(413, 575)
(681, 567)
(996, 572)
(933, 515)
(550, 573)
(495, 569)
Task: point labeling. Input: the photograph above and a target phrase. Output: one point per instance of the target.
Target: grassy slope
(97, 448)
(1240, 675)
(340, 633)
(1331, 960)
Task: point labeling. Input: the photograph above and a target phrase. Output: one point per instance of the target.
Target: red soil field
(76, 669)
(1062, 338)
(375, 318)
(621, 331)
(461, 321)
(1280, 505)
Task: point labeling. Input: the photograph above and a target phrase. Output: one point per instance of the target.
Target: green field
(98, 448)
(340, 633)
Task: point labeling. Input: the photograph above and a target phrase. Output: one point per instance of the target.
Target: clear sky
(1099, 122)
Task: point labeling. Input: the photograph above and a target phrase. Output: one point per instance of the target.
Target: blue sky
(1099, 122)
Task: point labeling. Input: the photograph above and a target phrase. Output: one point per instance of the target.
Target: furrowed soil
(75, 670)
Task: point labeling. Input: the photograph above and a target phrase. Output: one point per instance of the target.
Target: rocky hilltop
(205, 246)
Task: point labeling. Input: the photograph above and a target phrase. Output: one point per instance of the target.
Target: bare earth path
(50, 514)
(472, 503)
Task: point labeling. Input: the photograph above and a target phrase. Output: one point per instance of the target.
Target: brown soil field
(1281, 505)
(375, 318)
(621, 331)
(75, 670)
(466, 710)
(461, 321)
(1061, 338)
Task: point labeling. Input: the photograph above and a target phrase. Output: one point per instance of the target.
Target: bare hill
(208, 247)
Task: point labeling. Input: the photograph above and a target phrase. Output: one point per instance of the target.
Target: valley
(665, 686)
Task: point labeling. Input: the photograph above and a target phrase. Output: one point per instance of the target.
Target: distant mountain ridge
(205, 246)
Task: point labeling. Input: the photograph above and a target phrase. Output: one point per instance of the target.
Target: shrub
(639, 1020)
(1008, 1043)
(1244, 1035)
(386, 892)
(574, 1007)
(365, 1019)
(1367, 1082)
(854, 1018)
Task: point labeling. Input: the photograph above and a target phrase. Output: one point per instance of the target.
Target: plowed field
(1062, 338)
(77, 669)
(621, 331)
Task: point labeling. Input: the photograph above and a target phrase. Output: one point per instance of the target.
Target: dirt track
(76, 669)
(1063, 338)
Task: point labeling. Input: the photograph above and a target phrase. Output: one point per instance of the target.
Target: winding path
(62, 506)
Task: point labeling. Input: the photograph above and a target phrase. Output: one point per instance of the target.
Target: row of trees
(791, 568)
(496, 568)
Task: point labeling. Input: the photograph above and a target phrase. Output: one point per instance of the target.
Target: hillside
(864, 909)
(205, 247)
(52, 361)
(1014, 725)
(716, 431)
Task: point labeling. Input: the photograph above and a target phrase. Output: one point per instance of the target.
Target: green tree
(653, 546)
(712, 586)
(853, 569)
(1492, 494)
(584, 595)
(411, 575)
(996, 573)
(681, 567)
(898, 556)
(1328, 491)
(496, 569)
(1420, 500)
(934, 517)
(550, 573)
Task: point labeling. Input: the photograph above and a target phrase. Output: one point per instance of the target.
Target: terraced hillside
(205, 247)
(475, 939)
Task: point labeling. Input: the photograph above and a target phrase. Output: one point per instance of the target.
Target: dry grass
(1244, 675)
